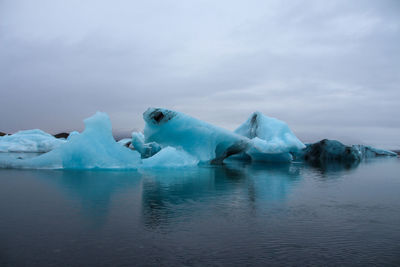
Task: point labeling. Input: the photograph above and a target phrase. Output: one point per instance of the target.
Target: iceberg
(94, 148)
(271, 139)
(204, 141)
(146, 150)
(36, 141)
(172, 139)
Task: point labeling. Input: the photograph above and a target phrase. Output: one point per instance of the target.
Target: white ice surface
(271, 139)
(260, 150)
(170, 157)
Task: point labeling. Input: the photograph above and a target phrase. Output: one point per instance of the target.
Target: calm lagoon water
(235, 215)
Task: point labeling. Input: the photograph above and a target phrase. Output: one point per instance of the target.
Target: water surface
(289, 214)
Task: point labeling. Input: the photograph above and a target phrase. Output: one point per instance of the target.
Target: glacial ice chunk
(94, 148)
(170, 157)
(206, 142)
(271, 139)
(29, 141)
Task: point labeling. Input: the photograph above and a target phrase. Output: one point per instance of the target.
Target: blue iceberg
(94, 148)
(204, 141)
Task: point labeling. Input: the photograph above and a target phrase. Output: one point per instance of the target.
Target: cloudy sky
(327, 68)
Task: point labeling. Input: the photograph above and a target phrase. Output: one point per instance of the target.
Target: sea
(229, 215)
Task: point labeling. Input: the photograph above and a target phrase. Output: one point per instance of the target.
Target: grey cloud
(327, 68)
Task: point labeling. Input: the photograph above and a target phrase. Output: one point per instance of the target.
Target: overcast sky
(327, 68)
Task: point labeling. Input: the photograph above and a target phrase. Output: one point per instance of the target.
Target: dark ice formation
(328, 150)
(334, 151)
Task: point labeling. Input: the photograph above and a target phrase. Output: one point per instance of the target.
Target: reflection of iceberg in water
(333, 167)
(93, 191)
(164, 196)
(273, 183)
(173, 194)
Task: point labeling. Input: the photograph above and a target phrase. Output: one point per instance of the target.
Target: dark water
(288, 215)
